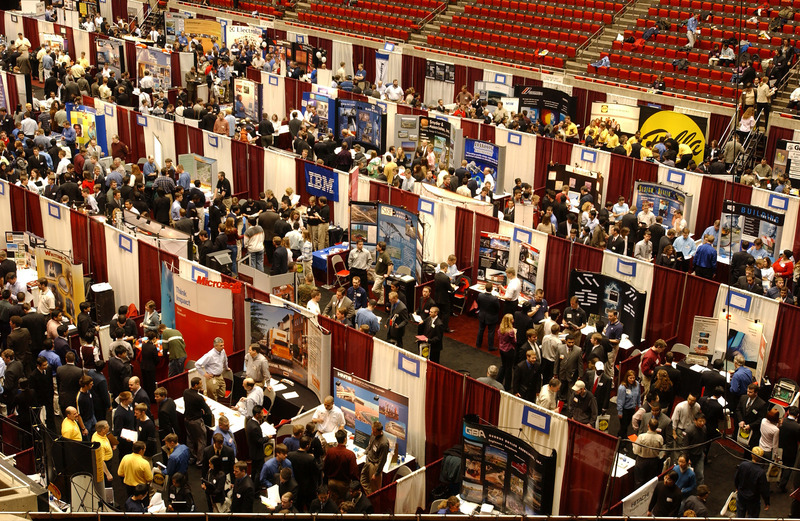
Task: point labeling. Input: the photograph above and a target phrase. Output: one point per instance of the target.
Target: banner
(480, 155)
(205, 30)
(364, 120)
(88, 125)
(501, 469)
(440, 71)
(493, 257)
(704, 336)
(246, 91)
(548, 105)
(109, 51)
(626, 115)
(326, 110)
(174, 23)
(364, 224)
(691, 130)
(598, 294)
(638, 502)
(398, 228)
(363, 403)
(664, 200)
(65, 278)
(437, 132)
(244, 34)
(203, 313)
(381, 66)
(528, 268)
(744, 337)
(158, 63)
(492, 92)
(167, 296)
(293, 342)
(321, 181)
(742, 222)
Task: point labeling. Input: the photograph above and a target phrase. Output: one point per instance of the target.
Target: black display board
(597, 294)
(548, 105)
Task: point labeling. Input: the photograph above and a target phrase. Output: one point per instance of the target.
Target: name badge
(238, 496)
(755, 411)
(172, 496)
(575, 400)
(669, 500)
(627, 391)
(225, 458)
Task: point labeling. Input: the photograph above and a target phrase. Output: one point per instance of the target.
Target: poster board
(174, 24)
(364, 224)
(743, 222)
(502, 470)
(742, 337)
(439, 133)
(492, 92)
(664, 200)
(636, 503)
(203, 310)
(626, 115)
(655, 123)
(158, 62)
(398, 228)
(110, 51)
(66, 280)
(481, 155)
(205, 30)
(575, 178)
(549, 105)
(293, 342)
(363, 403)
(200, 168)
(528, 268)
(244, 34)
(493, 258)
(303, 55)
(88, 125)
(365, 120)
(440, 71)
(597, 294)
(406, 133)
(21, 248)
(248, 92)
(326, 110)
(704, 336)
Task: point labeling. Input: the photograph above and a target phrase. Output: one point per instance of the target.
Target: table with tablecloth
(322, 261)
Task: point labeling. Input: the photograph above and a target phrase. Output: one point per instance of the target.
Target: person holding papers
(685, 248)
(432, 331)
(254, 398)
(513, 288)
(452, 270)
(328, 417)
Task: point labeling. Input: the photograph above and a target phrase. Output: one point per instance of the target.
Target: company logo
(472, 431)
(320, 182)
(235, 287)
(604, 109)
(679, 126)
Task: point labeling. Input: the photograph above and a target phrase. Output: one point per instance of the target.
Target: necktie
(749, 403)
(594, 388)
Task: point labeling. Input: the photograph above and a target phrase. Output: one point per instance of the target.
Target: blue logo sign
(322, 181)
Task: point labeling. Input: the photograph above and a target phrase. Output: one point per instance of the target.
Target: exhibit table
(361, 454)
(472, 295)
(286, 405)
(322, 261)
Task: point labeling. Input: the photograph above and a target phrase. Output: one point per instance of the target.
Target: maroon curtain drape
(383, 500)
(738, 192)
(175, 70)
(643, 171)
(590, 460)
(782, 361)
(323, 44)
(239, 337)
(776, 134)
(716, 126)
(465, 220)
(474, 74)
(351, 350)
(562, 257)
(119, 9)
(483, 223)
(69, 36)
(413, 74)
(130, 60)
(365, 55)
(562, 152)
(460, 79)
(290, 92)
(240, 166)
(79, 226)
(796, 245)
(18, 204)
(404, 109)
(195, 140)
(138, 146)
(483, 400)
(378, 192)
(471, 128)
(93, 37)
(34, 213)
(444, 405)
(544, 148)
(583, 104)
(97, 245)
(30, 28)
(709, 206)
(124, 131)
(255, 170)
(300, 180)
(699, 297)
(620, 178)
(13, 91)
(149, 271)
(665, 312)
(404, 199)
(487, 132)
(181, 139)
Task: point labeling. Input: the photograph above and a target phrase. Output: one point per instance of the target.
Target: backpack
(663, 25)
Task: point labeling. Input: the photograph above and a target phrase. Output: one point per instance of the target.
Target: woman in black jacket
(180, 495)
(214, 484)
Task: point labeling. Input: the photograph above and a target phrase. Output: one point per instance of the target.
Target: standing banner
(501, 469)
(167, 296)
(363, 403)
(481, 155)
(364, 120)
(704, 336)
(638, 502)
(65, 278)
(598, 294)
(88, 125)
(528, 268)
(664, 200)
(246, 91)
(626, 115)
(691, 130)
(493, 258)
(364, 224)
(744, 337)
(293, 342)
(326, 110)
(549, 105)
(438, 133)
(742, 222)
(398, 228)
(109, 51)
(204, 311)
(159, 64)
(321, 181)
(381, 66)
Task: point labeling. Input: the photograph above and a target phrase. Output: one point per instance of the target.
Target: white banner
(382, 67)
(636, 504)
(626, 116)
(243, 33)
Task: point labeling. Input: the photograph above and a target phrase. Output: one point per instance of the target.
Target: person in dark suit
(527, 377)
(361, 504)
(244, 492)
(673, 372)
(286, 483)
(751, 284)
(398, 318)
(124, 418)
(306, 472)
(433, 329)
(443, 294)
(102, 401)
(657, 231)
(146, 429)
(167, 413)
(222, 451)
(68, 377)
(13, 374)
(41, 382)
(788, 438)
(565, 226)
(599, 384)
(615, 241)
(749, 413)
(19, 341)
(710, 380)
(488, 315)
(323, 504)
(425, 303)
(119, 371)
(255, 441)
(523, 321)
(714, 412)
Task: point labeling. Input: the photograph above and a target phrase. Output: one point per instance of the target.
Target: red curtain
(351, 350)
(175, 70)
(562, 257)
(378, 192)
(562, 152)
(126, 133)
(404, 199)
(483, 400)
(590, 460)
(130, 59)
(465, 220)
(93, 37)
(149, 271)
(644, 171)
(413, 74)
(699, 297)
(709, 207)
(300, 179)
(544, 151)
(471, 128)
(444, 404)
(13, 91)
(30, 28)
(716, 126)
(460, 79)
(483, 223)
(70, 39)
(98, 250)
(34, 213)
(181, 139)
(776, 134)
(738, 192)
(195, 140)
(620, 178)
(18, 205)
(137, 144)
(240, 167)
(365, 55)
(255, 170)
(796, 246)
(487, 132)
(474, 74)
(583, 104)
(79, 225)
(119, 9)
(239, 337)
(290, 90)
(665, 312)
(383, 500)
(321, 43)
(782, 361)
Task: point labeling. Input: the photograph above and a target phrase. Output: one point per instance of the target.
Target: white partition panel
(56, 224)
(5, 206)
(637, 273)
(279, 170)
(689, 182)
(163, 130)
(520, 155)
(787, 205)
(273, 94)
(122, 261)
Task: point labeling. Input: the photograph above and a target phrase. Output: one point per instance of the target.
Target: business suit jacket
(527, 380)
(19, 341)
(562, 230)
(788, 438)
(424, 308)
(398, 316)
(123, 418)
(711, 379)
(68, 377)
(242, 496)
(433, 328)
(333, 305)
(167, 418)
(714, 412)
(616, 244)
(752, 416)
(488, 308)
(225, 454)
(307, 474)
(118, 375)
(36, 324)
(673, 373)
(255, 440)
(42, 385)
(602, 392)
(570, 367)
(757, 287)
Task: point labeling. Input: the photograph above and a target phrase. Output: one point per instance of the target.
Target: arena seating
(640, 65)
(520, 31)
(262, 7)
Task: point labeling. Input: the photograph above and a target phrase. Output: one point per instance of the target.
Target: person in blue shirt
(238, 107)
(705, 259)
(69, 135)
(452, 507)
(539, 306)
(687, 481)
(757, 250)
(741, 378)
(358, 294)
(184, 178)
(347, 84)
(150, 170)
(360, 76)
(136, 503)
(271, 469)
(713, 230)
(367, 316)
(686, 246)
(182, 39)
(691, 30)
(178, 455)
(628, 401)
(53, 360)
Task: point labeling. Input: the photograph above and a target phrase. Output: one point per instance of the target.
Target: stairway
(432, 27)
(154, 18)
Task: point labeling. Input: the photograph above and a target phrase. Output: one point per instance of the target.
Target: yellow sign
(680, 126)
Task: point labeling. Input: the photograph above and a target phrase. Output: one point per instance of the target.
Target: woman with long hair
(508, 350)
(628, 401)
(666, 391)
(769, 433)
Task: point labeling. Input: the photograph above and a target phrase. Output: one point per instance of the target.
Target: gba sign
(322, 181)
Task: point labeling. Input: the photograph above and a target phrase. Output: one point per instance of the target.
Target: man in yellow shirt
(602, 136)
(134, 469)
(685, 155)
(646, 151)
(612, 141)
(72, 426)
(570, 130)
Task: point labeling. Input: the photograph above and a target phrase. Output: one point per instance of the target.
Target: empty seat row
(715, 91)
(260, 8)
(345, 13)
(724, 7)
(567, 25)
(530, 42)
(502, 53)
(353, 26)
(531, 17)
(512, 5)
(225, 4)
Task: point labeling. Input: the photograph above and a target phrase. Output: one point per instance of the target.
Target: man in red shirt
(340, 466)
(651, 359)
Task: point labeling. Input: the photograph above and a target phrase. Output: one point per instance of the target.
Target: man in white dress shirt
(255, 397)
(328, 417)
(513, 289)
(394, 92)
(211, 366)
